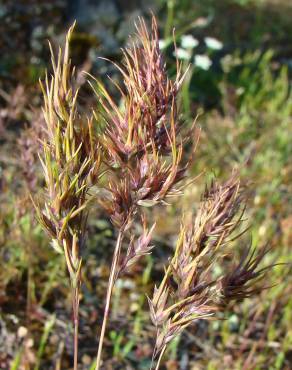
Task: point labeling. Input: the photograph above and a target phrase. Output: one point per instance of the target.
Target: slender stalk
(75, 305)
(160, 358)
(154, 353)
(169, 19)
(111, 283)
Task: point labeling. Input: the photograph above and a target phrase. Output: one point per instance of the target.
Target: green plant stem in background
(111, 283)
(17, 359)
(169, 19)
(47, 330)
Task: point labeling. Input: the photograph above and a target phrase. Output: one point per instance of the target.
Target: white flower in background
(189, 42)
(162, 44)
(181, 53)
(213, 43)
(202, 61)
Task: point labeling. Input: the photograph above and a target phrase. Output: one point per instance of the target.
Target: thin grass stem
(75, 304)
(111, 283)
(160, 358)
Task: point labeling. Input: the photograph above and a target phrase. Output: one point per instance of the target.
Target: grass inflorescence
(127, 159)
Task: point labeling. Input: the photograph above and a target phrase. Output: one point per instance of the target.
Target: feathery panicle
(188, 291)
(149, 101)
(142, 142)
(185, 293)
(70, 160)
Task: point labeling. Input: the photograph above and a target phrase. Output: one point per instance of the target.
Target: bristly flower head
(70, 160)
(149, 100)
(142, 143)
(189, 291)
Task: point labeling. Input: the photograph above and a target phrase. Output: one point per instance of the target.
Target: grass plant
(127, 159)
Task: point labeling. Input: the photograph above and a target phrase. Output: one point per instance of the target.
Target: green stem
(169, 19)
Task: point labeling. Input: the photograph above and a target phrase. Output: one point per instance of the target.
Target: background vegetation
(240, 84)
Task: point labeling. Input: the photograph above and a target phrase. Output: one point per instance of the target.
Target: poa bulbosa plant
(142, 146)
(141, 156)
(70, 160)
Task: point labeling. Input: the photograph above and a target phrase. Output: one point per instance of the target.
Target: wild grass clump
(137, 155)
